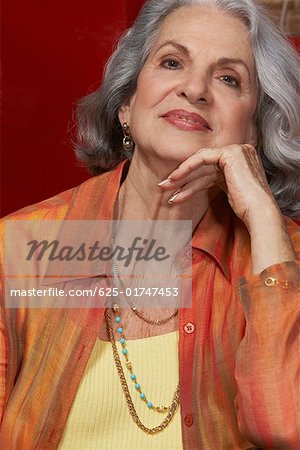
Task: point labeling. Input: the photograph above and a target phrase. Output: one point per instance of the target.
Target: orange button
(189, 420)
(189, 328)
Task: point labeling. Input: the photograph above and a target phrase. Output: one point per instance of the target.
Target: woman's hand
(237, 169)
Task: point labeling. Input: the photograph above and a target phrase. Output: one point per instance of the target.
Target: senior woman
(204, 96)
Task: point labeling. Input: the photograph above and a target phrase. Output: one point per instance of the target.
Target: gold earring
(128, 143)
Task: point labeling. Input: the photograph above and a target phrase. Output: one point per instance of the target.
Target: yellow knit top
(100, 419)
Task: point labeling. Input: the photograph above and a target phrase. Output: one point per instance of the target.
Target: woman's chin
(170, 155)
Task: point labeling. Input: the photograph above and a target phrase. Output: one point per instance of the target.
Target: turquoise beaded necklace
(176, 398)
(133, 377)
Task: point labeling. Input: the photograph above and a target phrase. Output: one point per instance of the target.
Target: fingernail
(174, 196)
(167, 180)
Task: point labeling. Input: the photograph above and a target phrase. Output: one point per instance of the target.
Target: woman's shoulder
(55, 207)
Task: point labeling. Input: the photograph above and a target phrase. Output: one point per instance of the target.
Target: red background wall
(53, 53)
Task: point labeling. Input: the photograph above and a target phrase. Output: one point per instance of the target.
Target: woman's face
(197, 88)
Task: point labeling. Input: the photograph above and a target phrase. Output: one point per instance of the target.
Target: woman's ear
(124, 114)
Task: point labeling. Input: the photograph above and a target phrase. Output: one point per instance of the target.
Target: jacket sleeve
(268, 358)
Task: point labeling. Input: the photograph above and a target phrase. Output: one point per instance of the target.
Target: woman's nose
(195, 89)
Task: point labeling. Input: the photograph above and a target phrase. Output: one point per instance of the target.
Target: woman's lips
(186, 120)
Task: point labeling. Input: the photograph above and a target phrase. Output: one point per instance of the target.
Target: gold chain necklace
(147, 319)
(134, 308)
(171, 409)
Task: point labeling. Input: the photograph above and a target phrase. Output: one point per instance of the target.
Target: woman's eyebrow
(176, 45)
(224, 61)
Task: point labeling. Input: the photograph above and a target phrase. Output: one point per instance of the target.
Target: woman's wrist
(270, 242)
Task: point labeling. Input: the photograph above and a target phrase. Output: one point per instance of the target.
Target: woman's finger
(193, 188)
(194, 162)
(197, 174)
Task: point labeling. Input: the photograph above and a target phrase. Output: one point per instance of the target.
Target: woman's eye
(230, 80)
(170, 64)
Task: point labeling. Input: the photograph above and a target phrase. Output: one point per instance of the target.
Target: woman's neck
(140, 197)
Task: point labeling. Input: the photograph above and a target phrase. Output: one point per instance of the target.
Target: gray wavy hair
(99, 144)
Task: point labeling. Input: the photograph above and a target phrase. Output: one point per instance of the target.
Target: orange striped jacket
(239, 354)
